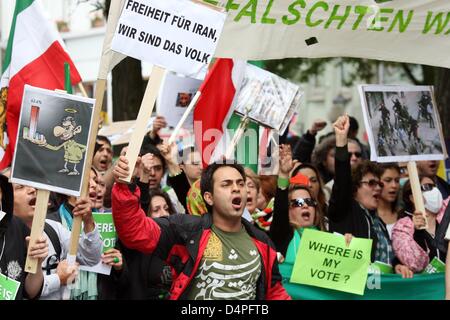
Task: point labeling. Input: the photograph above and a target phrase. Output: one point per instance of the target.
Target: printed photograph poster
(267, 98)
(174, 97)
(52, 140)
(402, 123)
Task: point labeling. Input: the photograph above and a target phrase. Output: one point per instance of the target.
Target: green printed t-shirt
(229, 269)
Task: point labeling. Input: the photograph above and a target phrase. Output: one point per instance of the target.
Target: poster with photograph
(266, 98)
(174, 97)
(52, 140)
(402, 123)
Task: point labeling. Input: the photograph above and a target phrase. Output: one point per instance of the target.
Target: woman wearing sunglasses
(295, 209)
(355, 199)
(415, 245)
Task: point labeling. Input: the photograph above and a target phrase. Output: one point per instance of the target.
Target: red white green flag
(35, 55)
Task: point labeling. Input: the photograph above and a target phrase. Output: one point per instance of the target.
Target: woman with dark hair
(146, 276)
(414, 239)
(354, 201)
(295, 208)
(387, 206)
(160, 204)
(315, 184)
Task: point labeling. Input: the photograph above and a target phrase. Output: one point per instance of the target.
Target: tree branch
(410, 74)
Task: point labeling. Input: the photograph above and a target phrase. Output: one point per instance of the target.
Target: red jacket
(181, 239)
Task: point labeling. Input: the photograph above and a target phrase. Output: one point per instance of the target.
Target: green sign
(435, 266)
(8, 288)
(324, 260)
(105, 225)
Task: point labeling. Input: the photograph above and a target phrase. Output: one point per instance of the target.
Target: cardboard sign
(402, 123)
(8, 288)
(266, 98)
(52, 140)
(105, 225)
(178, 35)
(324, 260)
(174, 97)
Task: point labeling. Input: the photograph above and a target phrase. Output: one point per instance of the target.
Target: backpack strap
(53, 236)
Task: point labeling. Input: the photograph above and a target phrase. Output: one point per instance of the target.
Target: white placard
(178, 35)
(174, 97)
(402, 123)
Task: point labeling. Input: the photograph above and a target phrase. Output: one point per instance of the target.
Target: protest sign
(435, 266)
(414, 31)
(174, 97)
(105, 225)
(266, 98)
(52, 141)
(324, 260)
(8, 288)
(402, 123)
(178, 35)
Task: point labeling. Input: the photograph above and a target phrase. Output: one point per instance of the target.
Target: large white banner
(178, 35)
(415, 31)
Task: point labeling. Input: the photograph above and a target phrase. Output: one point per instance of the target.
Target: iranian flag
(35, 55)
(215, 107)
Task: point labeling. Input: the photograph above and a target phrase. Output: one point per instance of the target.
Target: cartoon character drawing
(66, 131)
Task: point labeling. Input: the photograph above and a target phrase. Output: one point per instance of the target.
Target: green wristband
(283, 183)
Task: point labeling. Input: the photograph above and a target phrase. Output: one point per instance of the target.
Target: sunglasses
(427, 186)
(299, 202)
(356, 154)
(373, 183)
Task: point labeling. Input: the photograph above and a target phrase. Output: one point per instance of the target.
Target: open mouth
(93, 195)
(392, 193)
(236, 202)
(32, 202)
(306, 215)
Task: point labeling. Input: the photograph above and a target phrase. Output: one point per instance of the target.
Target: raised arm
(340, 204)
(280, 230)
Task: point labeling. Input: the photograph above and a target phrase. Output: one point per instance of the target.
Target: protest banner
(174, 98)
(177, 35)
(183, 39)
(266, 98)
(402, 123)
(52, 139)
(324, 260)
(50, 148)
(413, 31)
(105, 225)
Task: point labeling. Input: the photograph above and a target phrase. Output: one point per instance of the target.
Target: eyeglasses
(299, 202)
(427, 186)
(356, 154)
(373, 183)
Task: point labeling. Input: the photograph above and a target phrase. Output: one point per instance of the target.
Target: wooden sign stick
(237, 136)
(180, 123)
(37, 228)
(145, 112)
(416, 190)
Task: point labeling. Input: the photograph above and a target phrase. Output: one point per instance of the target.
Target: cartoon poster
(52, 140)
(266, 98)
(402, 123)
